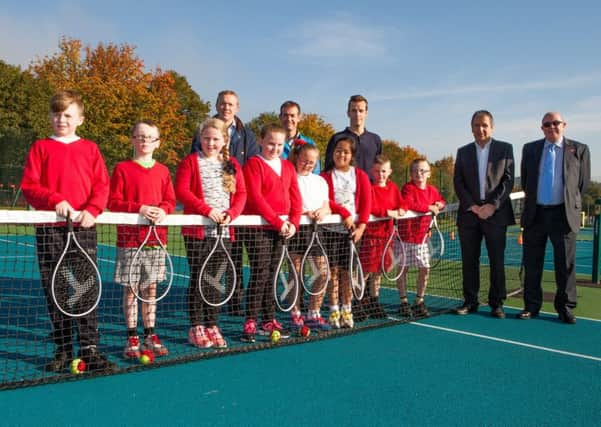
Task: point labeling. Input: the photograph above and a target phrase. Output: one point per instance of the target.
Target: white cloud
(341, 36)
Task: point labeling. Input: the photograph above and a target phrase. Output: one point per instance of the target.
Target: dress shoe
(526, 314)
(567, 317)
(466, 309)
(60, 362)
(498, 312)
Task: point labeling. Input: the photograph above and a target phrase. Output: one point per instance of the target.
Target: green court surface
(447, 370)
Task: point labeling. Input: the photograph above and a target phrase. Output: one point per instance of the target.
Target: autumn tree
(400, 160)
(442, 178)
(118, 91)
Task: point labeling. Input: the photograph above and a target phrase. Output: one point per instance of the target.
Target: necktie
(548, 176)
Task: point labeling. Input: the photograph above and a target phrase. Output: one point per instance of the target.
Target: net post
(596, 241)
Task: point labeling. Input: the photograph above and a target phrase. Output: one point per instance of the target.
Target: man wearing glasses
(483, 180)
(555, 173)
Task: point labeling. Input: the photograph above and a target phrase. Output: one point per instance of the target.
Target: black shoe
(377, 311)
(466, 309)
(566, 316)
(60, 362)
(96, 361)
(526, 314)
(498, 312)
(361, 310)
(420, 310)
(405, 310)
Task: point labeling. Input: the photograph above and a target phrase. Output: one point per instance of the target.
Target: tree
(400, 160)
(118, 91)
(442, 178)
(257, 123)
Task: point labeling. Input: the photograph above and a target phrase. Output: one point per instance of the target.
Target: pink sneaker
(153, 343)
(249, 331)
(132, 348)
(273, 325)
(297, 320)
(216, 338)
(198, 337)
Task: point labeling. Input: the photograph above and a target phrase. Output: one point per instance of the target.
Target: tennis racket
(217, 277)
(435, 243)
(285, 281)
(315, 266)
(521, 273)
(394, 256)
(356, 276)
(76, 284)
(151, 256)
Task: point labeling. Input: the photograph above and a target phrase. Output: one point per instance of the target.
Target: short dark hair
(357, 98)
(288, 104)
(482, 113)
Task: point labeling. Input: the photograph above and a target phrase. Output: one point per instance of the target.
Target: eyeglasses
(555, 123)
(142, 138)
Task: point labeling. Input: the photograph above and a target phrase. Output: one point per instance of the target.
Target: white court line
(506, 341)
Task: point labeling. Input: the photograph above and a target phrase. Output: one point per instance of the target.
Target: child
(274, 192)
(386, 202)
(66, 173)
(420, 197)
(316, 205)
(143, 186)
(209, 183)
(350, 194)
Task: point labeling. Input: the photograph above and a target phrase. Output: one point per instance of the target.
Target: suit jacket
(500, 174)
(576, 177)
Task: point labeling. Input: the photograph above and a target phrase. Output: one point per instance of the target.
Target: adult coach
(243, 145)
(483, 180)
(290, 117)
(555, 174)
(368, 144)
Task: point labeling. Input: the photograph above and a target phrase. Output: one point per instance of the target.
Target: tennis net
(28, 339)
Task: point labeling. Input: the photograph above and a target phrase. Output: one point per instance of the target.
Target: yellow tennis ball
(75, 366)
(275, 336)
(144, 359)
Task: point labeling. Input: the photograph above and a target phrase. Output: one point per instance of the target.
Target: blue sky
(424, 66)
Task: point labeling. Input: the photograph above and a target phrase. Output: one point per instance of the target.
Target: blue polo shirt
(369, 145)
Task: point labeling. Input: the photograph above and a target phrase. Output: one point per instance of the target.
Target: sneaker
(132, 348)
(420, 310)
(377, 311)
(249, 331)
(96, 361)
(216, 338)
(273, 325)
(59, 362)
(347, 320)
(318, 323)
(405, 310)
(297, 320)
(197, 336)
(153, 343)
(334, 319)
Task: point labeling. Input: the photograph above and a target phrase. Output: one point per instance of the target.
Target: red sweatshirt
(384, 199)
(413, 230)
(270, 195)
(188, 188)
(362, 196)
(132, 186)
(74, 172)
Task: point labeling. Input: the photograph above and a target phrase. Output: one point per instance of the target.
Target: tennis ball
(305, 331)
(275, 336)
(147, 357)
(78, 366)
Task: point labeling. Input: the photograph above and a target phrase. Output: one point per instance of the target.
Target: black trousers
(550, 224)
(199, 311)
(470, 236)
(50, 245)
(263, 255)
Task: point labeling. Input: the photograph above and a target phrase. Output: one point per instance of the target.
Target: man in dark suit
(483, 180)
(555, 174)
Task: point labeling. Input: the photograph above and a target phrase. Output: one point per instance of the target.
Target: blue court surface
(446, 370)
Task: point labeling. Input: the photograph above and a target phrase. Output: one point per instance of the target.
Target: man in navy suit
(483, 180)
(555, 174)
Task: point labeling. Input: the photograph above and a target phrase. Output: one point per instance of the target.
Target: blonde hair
(229, 171)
